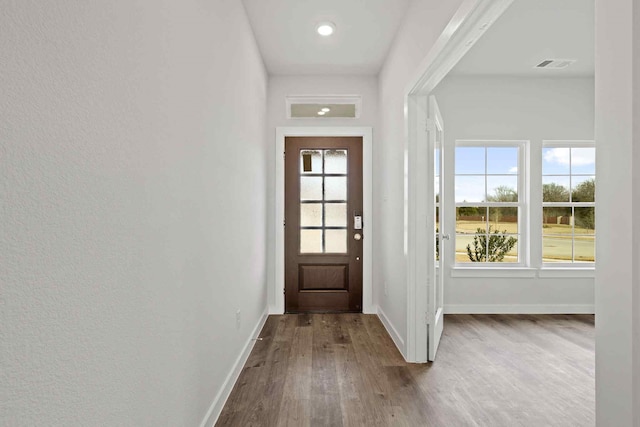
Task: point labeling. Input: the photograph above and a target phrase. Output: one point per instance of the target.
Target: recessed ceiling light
(326, 28)
(321, 113)
(326, 109)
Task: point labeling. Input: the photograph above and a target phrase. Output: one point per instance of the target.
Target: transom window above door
(323, 201)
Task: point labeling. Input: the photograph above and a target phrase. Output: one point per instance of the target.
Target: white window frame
(523, 204)
(573, 265)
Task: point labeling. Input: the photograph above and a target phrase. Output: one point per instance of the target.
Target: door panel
(323, 248)
(436, 290)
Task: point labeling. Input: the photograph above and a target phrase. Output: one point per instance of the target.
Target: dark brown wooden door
(323, 224)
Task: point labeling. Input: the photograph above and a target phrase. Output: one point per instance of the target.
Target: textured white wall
(282, 86)
(531, 109)
(133, 200)
(424, 22)
(617, 281)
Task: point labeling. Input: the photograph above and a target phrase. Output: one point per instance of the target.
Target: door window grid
(323, 194)
(568, 203)
(489, 202)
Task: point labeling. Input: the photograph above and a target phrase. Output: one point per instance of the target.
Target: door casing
(276, 288)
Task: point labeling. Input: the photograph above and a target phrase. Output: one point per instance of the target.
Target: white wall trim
(395, 336)
(519, 308)
(223, 394)
(470, 21)
(276, 306)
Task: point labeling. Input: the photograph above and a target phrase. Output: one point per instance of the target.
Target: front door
(323, 224)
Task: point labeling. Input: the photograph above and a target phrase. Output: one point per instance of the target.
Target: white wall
(617, 250)
(132, 186)
(282, 86)
(531, 109)
(424, 22)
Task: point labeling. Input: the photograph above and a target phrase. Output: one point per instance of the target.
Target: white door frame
(276, 305)
(469, 23)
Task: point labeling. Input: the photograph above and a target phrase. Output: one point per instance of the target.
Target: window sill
(567, 272)
(493, 272)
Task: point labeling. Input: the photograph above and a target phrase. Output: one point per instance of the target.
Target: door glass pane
(310, 188)
(310, 161)
(310, 241)
(335, 214)
(335, 241)
(311, 215)
(335, 188)
(335, 161)
(555, 189)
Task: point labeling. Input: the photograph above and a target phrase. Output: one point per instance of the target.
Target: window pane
(555, 161)
(462, 241)
(555, 188)
(502, 160)
(335, 214)
(510, 255)
(504, 220)
(310, 188)
(585, 248)
(335, 161)
(556, 248)
(311, 215)
(310, 241)
(470, 160)
(556, 221)
(583, 161)
(310, 161)
(335, 241)
(470, 189)
(335, 188)
(584, 189)
(585, 220)
(502, 188)
(470, 219)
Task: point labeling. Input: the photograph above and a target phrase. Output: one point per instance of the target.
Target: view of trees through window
(568, 208)
(487, 203)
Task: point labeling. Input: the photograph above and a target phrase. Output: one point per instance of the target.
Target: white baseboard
(519, 309)
(221, 398)
(395, 336)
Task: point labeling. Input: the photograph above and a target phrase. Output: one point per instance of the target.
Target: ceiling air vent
(555, 64)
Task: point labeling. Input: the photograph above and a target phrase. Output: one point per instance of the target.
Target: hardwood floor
(491, 370)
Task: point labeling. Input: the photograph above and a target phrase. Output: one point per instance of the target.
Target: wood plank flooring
(491, 370)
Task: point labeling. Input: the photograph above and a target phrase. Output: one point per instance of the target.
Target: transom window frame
(573, 265)
(523, 205)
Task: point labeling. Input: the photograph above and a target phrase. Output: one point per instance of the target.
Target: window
(323, 201)
(490, 202)
(568, 203)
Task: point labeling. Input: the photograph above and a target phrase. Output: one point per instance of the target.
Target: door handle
(357, 236)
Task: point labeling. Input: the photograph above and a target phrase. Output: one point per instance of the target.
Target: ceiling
(286, 34)
(531, 31)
